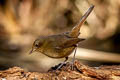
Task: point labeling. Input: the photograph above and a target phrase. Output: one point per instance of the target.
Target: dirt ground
(78, 72)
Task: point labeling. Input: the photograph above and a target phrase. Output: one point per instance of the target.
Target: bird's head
(37, 45)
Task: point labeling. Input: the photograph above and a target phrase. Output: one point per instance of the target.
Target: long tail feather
(75, 31)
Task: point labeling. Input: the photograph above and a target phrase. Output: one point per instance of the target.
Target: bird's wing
(69, 43)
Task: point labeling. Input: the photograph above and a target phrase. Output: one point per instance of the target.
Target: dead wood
(80, 72)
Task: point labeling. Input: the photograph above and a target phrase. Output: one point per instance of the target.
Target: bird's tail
(75, 31)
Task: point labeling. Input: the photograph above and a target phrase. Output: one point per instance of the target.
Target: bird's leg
(66, 58)
(74, 55)
(73, 59)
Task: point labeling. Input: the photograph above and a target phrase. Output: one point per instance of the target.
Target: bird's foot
(64, 66)
(71, 65)
(60, 66)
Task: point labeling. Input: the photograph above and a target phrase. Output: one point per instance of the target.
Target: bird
(61, 45)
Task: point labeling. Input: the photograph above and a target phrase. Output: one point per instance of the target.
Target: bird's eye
(37, 45)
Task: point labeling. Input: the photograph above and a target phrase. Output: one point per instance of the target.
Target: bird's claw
(60, 65)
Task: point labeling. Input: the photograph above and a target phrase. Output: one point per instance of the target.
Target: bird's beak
(81, 39)
(32, 51)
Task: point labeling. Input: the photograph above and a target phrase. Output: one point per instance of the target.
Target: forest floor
(78, 72)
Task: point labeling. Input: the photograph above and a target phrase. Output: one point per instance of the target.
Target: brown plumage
(60, 45)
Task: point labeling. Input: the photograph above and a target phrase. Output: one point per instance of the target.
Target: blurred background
(22, 21)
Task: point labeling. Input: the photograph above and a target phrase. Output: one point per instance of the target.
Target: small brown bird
(60, 45)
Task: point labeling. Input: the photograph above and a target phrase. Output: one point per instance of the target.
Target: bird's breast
(53, 53)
